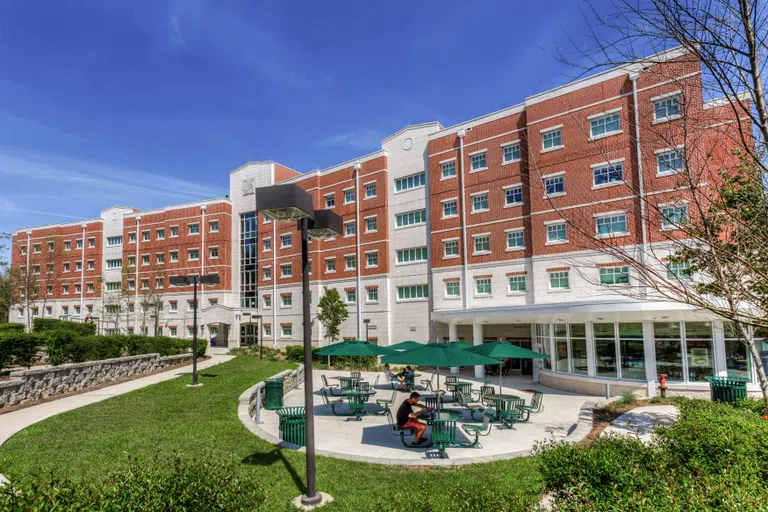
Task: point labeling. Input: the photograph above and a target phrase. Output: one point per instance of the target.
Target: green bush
(10, 328)
(58, 342)
(41, 325)
(6, 352)
(158, 486)
(752, 404)
(24, 348)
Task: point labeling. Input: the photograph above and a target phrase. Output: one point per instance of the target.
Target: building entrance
(249, 334)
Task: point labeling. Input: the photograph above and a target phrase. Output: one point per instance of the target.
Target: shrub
(6, 352)
(180, 484)
(626, 398)
(11, 328)
(752, 404)
(41, 325)
(57, 341)
(24, 348)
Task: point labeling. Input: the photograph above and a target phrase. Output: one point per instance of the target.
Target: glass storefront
(632, 351)
(561, 347)
(578, 348)
(699, 354)
(605, 350)
(669, 350)
(542, 341)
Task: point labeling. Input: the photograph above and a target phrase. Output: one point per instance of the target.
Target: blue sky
(152, 102)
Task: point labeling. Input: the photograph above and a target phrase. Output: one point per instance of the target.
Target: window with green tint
(614, 275)
(420, 291)
(737, 360)
(542, 341)
(699, 351)
(561, 347)
(412, 255)
(578, 339)
(411, 218)
(516, 284)
(605, 350)
(631, 351)
(409, 182)
(669, 355)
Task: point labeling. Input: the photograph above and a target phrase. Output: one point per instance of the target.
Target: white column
(718, 347)
(650, 354)
(453, 335)
(477, 338)
(591, 352)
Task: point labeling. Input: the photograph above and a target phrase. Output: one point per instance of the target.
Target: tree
(5, 280)
(713, 253)
(24, 287)
(332, 311)
(52, 257)
(151, 302)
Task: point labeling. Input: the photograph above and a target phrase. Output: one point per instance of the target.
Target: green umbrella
(503, 350)
(353, 348)
(405, 345)
(440, 355)
(459, 344)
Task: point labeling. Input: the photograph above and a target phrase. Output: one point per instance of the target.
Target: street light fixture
(194, 280)
(285, 203)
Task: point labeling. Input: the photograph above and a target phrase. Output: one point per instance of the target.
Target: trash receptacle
(727, 389)
(292, 425)
(274, 394)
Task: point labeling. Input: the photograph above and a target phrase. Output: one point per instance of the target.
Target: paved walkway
(642, 421)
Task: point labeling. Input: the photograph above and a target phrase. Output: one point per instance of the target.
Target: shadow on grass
(270, 458)
(209, 375)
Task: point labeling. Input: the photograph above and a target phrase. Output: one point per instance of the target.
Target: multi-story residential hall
(449, 233)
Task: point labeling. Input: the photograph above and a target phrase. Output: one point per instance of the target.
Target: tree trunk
(762, 380)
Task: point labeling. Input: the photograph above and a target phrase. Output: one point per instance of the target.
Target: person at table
(394, 377)
(407, 418)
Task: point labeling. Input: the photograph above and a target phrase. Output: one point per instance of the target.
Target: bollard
(258, 403)
(607, 390)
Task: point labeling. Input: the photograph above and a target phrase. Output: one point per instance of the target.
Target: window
(554, 186)
(516, 284)
(559, 280)
(349, 228)
(78, 266)
(79, 243)
(483, 286)
(77, 310)
(35, 311)
(674, 216)
(131, 284)
(194, 229)
(145, 236)
(410, 182)
(173, 305)
(349, 196)
(480, 202)
(49, 268)
(190, 305)
(556, 233)
(67, 247)
(330, 265)
(267, 301)
(160, 234)
(412, 255)
(194, 254)
(159, 283)
(512, 152)
(478, 162)
(36, 248)
(65, 310)
(174, 256)
(611, 225)
(699, 353)
(737, 360)
(89, 288)
(411, 218)
(267, 330)
(614, 275)
(370, 225)
(372, 259)
(174, 231)
(668, 162)
(679, 270)
(351, 295)
(286, 270)
(515, 239)
(666, 108)
(112, 241)
(448, 169)
(65, 267)
(372, 294)
(145, 259)
(190, 332)
(23, 250)
(286, 240)
(370, 190)
(286, 300)
(267, 219)
(452, 288)
(482, 243)
(413, 292)
(91, 265)
(213, 226)
(552, 139)
(450, 208)
(160, 258)
(213, 252)
(286, 330)
(330, 200)
(267, 273)
(607, 174)
(145, 284)
(49, 289)
(65, 289)
(114, 286)
(669, 354)
(513, 195)
(349, 262)
(91, 243)
(132, 238)
(605, 125)
(605, 349)
(115, 263)
(51, 246)
(267, 244)
(174, 331)
(450, 248)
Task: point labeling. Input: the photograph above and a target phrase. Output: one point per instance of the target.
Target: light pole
(194, 280)
(290, 202)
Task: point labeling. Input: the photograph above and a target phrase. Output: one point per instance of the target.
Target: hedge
(11, 327)
(41, 325)
(18, 347)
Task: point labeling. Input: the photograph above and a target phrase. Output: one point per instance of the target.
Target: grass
(168, 419)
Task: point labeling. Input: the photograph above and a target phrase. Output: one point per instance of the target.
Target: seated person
(394, 377)
(407, 418)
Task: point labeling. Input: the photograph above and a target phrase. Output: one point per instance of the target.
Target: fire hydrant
(663, 384)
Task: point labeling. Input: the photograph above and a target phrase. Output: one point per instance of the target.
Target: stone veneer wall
(289, 384)
(33, 384)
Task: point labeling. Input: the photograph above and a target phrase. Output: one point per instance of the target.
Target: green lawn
(168, 418)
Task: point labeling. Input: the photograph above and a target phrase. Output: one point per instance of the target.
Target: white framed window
(132, 238)
(371, 224)
(482, 243)
(480, 202)
(66, 267)
(450, 208)
(351, 295)
(668, 161)
(131, 284)
(556, 233)
(116, 263)
(674, 216)
(513, 195)
(370, 190)
(614, 275)
(78, 266)
(67, 247)
(146, 236)
(286, 300)
(286, 240)
(349, 196)
(145, 259)
(611, 225)
(91, 243)
(516, 284)
(286, 330)
(267, 301)
(65, 289)
(145, 284)
(194, 228)
(372, 294)
(411, 218)
(681, 270)
(161, 234)
(410, 182)
(112, 241)
(267, 273)
(51, 246)
(552, 139)
(286, 270)
(349, 228)
(267, 244)
(194, 254)
(452, 288)
(174, 331)
(511, 152)
(330, 265)
(554, 186)
(604, 125)
(330, 200)
(267, 219)
(413, 292)
(412, 255)
(349, 262)
(190, 332)
(190, 305)
(666, 108)
(35, 248)
(483, 286)
(160, 258)
(213, 252)
(478, 161)
(91, 265)
(213, 226)
(607, 174)
(559, 280)
(174, 256)
(372, 259)
(516, 239)
(79, 242)
(159, 283)
(267, 330)
(451, 248)
(113, 286)
(174, 231)
(448, 169)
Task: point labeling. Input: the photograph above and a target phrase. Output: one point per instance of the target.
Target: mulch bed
(51, 398)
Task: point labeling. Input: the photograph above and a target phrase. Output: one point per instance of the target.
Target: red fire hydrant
(663, 384)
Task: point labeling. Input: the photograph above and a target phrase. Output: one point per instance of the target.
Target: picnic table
(357, 400)
(502, 403)
(463, 386)
(348, 383)
(443, 423)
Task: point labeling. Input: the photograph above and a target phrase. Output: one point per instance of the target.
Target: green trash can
(274, 394)
(727, 389)
(292, 425)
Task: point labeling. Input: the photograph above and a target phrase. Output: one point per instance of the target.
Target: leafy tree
(332, 312)
(5, 280)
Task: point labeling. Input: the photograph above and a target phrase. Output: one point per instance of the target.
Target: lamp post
(292, 203)
(194, 280)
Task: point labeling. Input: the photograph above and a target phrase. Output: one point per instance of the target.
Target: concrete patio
(371, 440)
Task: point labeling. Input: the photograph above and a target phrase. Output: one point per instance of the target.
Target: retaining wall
(289, 384)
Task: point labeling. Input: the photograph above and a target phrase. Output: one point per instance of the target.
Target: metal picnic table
(357, 400)
(503, 405)
(443, 423)
(463, 386)
(348, 383)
